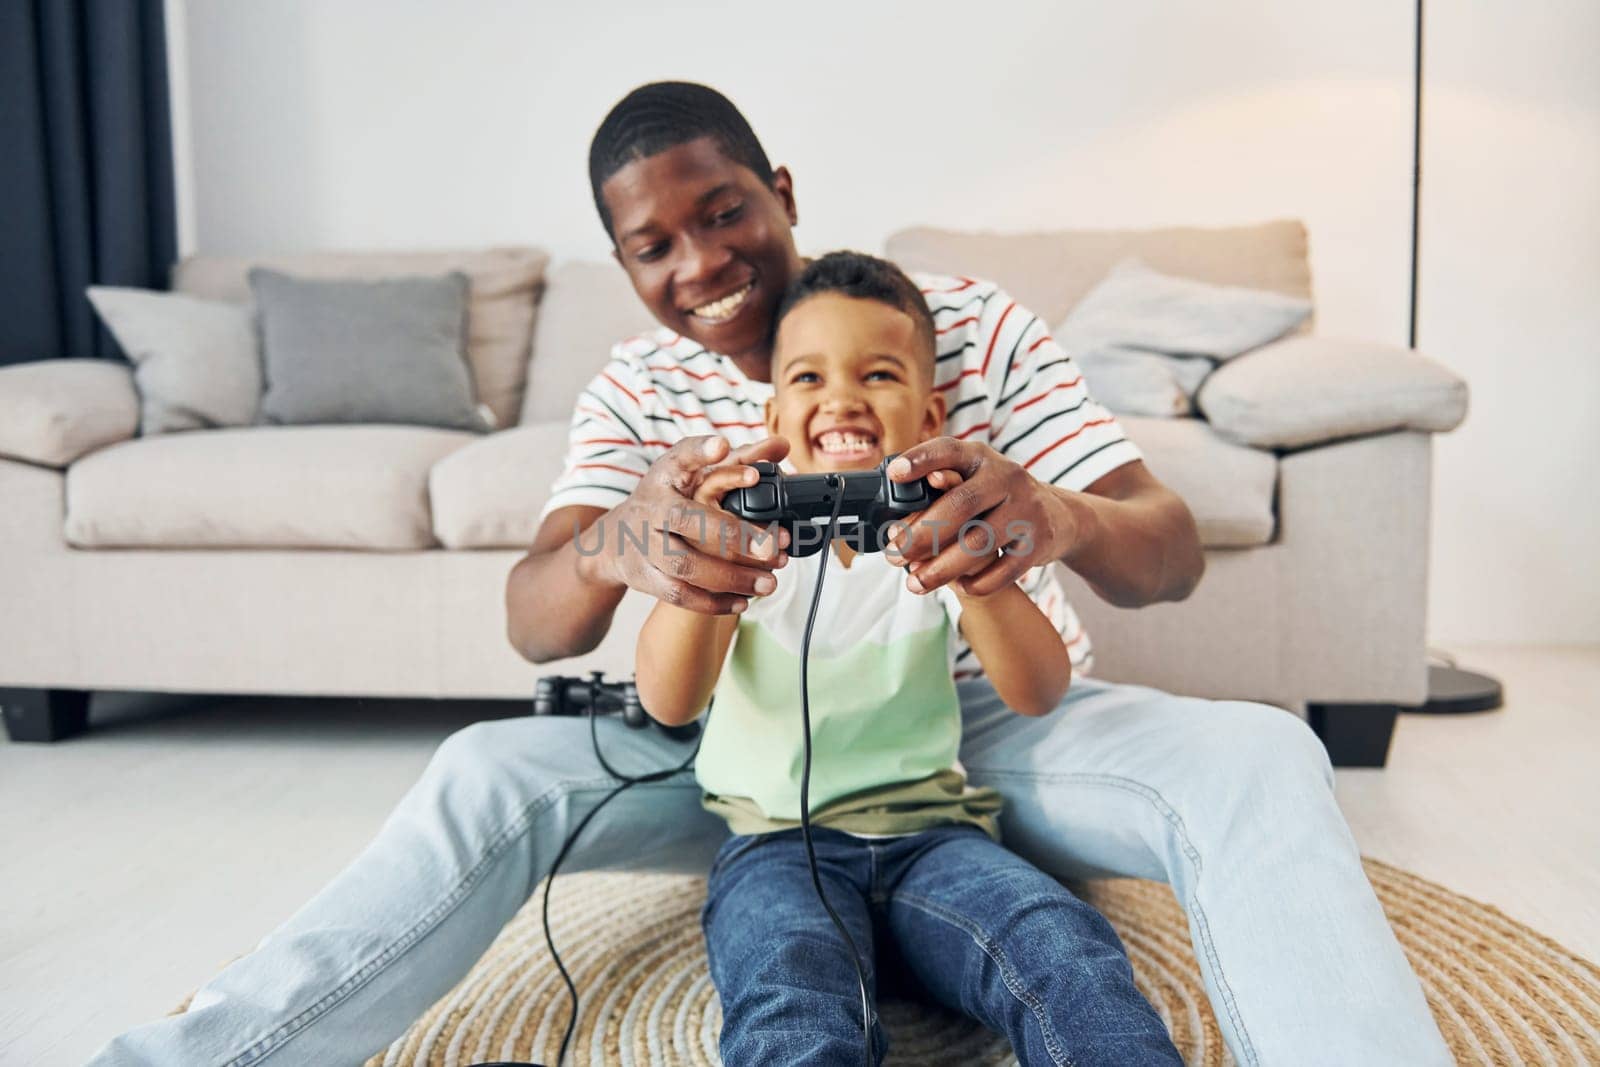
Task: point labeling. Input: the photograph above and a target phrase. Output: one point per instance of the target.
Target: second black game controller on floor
(802, 504)
(558, 694)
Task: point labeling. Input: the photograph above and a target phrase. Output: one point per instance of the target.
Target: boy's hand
(716, 481)
(720, 479)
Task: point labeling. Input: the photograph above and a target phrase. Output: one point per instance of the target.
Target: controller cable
(805, 775)
(626, 782)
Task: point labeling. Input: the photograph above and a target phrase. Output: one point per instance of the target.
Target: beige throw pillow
(1307, 390)
(196, 362)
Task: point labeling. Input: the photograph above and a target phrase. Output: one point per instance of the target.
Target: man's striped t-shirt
(1005, 381)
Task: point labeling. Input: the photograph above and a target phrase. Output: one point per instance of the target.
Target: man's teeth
(719, 310)
(838, 442)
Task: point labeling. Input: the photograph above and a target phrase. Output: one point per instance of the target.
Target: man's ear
(769, 411)
(783, 185)
(933, 418)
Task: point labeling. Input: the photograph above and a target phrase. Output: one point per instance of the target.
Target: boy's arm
(1023, 655)
(678, 661)
(680, 652)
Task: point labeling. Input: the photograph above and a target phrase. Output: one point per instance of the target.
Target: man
(1229, 802)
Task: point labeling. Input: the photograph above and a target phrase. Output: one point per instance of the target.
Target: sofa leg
(1355, 735)
(44, 714)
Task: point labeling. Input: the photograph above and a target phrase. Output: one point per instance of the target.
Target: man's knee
(1266, 748)
(500, 765)
(476, 751)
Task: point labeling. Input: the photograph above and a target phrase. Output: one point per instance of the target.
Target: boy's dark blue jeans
(982, 932)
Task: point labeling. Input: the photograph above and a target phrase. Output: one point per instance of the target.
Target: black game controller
(562, 695)
(872, 506)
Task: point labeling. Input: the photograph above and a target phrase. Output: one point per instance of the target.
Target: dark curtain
(86, 195)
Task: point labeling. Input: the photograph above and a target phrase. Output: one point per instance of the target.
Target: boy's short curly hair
(864, 277)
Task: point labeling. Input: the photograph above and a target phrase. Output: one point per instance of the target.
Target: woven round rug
(1502, 993)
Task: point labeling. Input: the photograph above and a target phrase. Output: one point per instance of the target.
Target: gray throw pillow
(1146, 340)
(389, 351)
(1132, 382)
(1139, 307)
(195, 362)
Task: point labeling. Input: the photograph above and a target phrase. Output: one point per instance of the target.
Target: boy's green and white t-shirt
(885, 720)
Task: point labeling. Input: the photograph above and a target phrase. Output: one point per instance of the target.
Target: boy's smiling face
(854, 383)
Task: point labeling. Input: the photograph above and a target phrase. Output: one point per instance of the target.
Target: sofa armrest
(1352, 598)
(1307, 390)
(55, 410)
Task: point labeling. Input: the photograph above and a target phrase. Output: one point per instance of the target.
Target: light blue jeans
(1229, 802)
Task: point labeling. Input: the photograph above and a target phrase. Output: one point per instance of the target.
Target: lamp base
(1453, 691)
(1358, 735)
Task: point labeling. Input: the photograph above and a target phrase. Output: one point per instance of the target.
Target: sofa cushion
(1050, 272)
(503, 297)
(588, 308)
(260, 487)
(54, 410)
(1228, 487)
(489, 494)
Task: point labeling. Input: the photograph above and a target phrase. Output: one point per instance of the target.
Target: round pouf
(1502, 994)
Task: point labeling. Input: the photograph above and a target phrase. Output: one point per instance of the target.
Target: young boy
(906, 851)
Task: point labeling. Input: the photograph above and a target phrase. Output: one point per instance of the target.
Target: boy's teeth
(837, 441)
(724, 308)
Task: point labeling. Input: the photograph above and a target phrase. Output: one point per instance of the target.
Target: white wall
(1510, 298)
(378, 123)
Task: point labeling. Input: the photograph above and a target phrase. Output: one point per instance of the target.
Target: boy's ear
(933, 418)
(769, 411)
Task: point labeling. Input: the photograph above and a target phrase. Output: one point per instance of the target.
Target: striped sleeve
(1043, 415)
(609, 444)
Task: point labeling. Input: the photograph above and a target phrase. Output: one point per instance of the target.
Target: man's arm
(1130, 537)
(553, 573)
(1056, 479)
(560, 601)
(1139, 543)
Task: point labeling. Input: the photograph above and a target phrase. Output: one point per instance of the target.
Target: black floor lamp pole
(1358, 735)
(1416, 175)
(1450, 689)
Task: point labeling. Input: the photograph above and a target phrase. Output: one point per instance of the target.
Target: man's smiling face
(707, 245)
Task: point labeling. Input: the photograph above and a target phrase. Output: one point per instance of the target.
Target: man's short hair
(864, 277)
(663, 115)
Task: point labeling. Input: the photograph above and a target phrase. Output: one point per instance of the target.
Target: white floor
(138, 859)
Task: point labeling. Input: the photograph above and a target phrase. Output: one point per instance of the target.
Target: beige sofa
(370, 560)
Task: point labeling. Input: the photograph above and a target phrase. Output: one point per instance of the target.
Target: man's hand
(697, 556)
(1020, 522)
